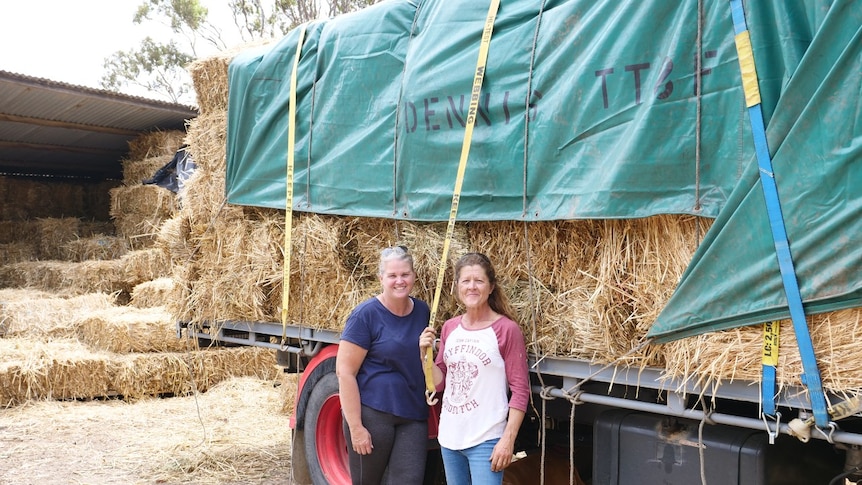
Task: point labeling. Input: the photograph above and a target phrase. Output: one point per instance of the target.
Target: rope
(572, 444)
(534, 335)
(396, 139)
(187, 360)
(544, 440)
(527, 106)
(583, 381)
(698, 98)
(700, 447)
(838, 480)
(303, 266)
(533, 317)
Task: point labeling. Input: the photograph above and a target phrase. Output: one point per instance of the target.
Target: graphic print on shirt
(462, 376)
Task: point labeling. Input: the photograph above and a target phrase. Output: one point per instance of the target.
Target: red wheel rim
(331, 446)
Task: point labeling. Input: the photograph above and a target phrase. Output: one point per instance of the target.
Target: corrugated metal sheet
(58, 129)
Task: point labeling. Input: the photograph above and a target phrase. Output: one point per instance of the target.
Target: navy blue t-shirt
(390, 378)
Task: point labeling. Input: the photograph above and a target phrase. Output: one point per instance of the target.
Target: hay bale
(207, 137)
(93, 276)
(557, 328)
(136, 376)
(174, 236)
(70, 278)
(288, 385)
(144, 265)
(544, 269)
(97, 227)
(34, 313)
(735, 354)
(249, 249)
(589, 289)
(210, 79)
(19, 231)
(138, 212)
(96, 247)
(89, 276)
(551, 246)
(28, 198)
(59, 369)
(156, 143)
(135, 171)
(67, 369)
(130, 329)
(16, 252)
(327, 278)
(97, 202)
(12, 276)
(41, 275)
(154, 293)
(54, 234)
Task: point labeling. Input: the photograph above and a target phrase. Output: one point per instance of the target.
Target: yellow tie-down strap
(288, 201)
(746, 67)
(770, 344)
(479, 76)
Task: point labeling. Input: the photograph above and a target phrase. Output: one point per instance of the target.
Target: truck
(741, 116)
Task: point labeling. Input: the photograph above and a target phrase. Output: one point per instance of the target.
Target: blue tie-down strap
(811, 375)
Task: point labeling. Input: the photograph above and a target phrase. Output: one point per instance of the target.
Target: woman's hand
(361, 441)
(501, 457)
(426, 339)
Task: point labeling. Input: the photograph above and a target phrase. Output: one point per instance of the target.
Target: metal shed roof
(57, 129)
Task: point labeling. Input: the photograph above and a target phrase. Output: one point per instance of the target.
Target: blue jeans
(471, 466)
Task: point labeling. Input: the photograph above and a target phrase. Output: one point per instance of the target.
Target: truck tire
(325, 446)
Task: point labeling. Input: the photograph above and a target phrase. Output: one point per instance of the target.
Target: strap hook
(772, 434)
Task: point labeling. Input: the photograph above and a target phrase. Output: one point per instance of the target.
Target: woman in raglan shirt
(482, 360)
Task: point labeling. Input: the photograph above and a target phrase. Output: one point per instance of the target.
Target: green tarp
(815, 137)
(588, 110)
(612, 116)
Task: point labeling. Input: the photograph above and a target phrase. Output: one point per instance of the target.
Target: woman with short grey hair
(381, 381)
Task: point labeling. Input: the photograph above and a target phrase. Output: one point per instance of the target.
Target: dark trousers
(400, 448)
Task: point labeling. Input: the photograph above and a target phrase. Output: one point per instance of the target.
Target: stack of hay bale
(586, 289)
(594, 286)
(82, 302)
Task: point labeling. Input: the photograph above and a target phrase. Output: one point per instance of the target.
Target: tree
(160, 67)
(259, 19)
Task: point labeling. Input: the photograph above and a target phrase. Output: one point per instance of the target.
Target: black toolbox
(639, 448)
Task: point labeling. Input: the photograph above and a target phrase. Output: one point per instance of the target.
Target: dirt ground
(236, 433)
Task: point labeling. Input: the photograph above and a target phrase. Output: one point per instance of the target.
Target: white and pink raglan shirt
(482, 368)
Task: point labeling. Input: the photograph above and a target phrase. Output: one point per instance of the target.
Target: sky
(68, 40)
